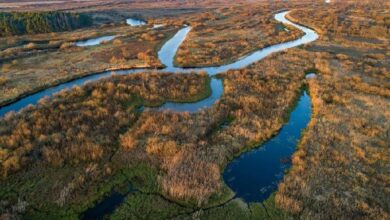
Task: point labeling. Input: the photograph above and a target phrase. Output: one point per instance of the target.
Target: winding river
(166, 56)
(94, 41)
(255, 174)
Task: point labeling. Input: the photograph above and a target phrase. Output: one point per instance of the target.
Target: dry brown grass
(48, 64)
(192, 149)
(64, 145)
(3, 80)
(223, 35)
(101, 105)
(341, 169)
(78, 128)
(95, 5)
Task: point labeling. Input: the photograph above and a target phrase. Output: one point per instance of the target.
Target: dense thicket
(41, 22)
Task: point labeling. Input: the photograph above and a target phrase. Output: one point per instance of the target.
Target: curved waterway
(99, 40)
(135, 22)
(255, 174)
(166, 56)
(94, 41)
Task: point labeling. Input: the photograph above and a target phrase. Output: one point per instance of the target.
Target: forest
(18, 23)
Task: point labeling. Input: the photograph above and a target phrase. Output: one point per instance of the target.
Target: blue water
(166, 56)
(216, 92)
(157, 26)
(255, 174)
(135, 22)
(94, 41)
(168, 50)
(309, 36)
(99, 40)
(107, 205)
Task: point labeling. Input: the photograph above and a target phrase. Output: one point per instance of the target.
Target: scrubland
(67, 153)
(58, 155)
(223, 35)
(33, 62)
(79, 145)
(191, 148)
(341, 168)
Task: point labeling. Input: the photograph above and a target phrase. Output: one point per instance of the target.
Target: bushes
(64, 146)
(340, 168)
(192, 149)
(3, 80)
(77, 127)
(229, 34)
(340, 139)
(60, 61)
(362, 22)
(30, 46)
(66, 45)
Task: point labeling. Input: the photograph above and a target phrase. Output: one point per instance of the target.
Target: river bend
(166, 56)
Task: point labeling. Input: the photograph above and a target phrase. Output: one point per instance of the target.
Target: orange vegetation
(64, 130)
(223, 35)
(56, 59)
(341, 168)
(192, 149)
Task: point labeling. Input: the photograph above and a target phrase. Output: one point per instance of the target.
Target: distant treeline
(40, 22)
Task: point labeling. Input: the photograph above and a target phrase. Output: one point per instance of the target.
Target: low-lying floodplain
(206, 110)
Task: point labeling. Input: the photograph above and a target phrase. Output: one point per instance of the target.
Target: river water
(135, 22)
(94, 41)
(254, 175)
(99, 40)
(166, 56)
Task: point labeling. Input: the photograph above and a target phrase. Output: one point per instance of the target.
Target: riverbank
(217, 36)
(351, 116)
(187, 154)
(52, 68)
(85, 166)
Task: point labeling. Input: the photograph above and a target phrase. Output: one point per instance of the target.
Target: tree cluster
(18, 23)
